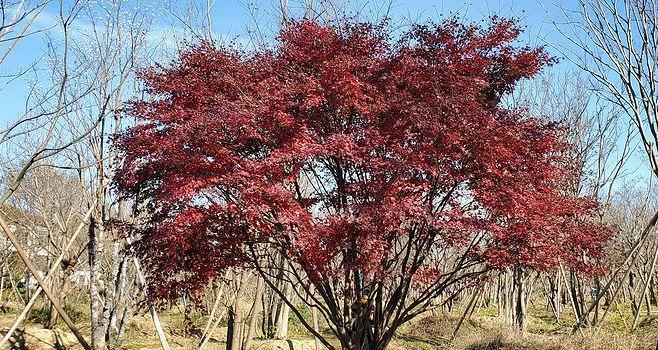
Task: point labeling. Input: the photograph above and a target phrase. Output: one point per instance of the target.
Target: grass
(483, 331)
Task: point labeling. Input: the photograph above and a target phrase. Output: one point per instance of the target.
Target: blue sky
(230, 18)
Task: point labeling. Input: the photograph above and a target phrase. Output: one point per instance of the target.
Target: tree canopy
(368, 160)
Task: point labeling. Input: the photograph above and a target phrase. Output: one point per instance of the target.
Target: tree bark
(236, 324)
(284, 316)
(96, 303)
(284, 310)
(52, 317)
(519, 301)
(230, 329)
(255, 312)
(316, 327)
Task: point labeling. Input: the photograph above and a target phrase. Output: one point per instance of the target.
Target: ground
(484, 330)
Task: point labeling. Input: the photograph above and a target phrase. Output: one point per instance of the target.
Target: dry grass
(483, 331)
(489, 333)
(514, 341)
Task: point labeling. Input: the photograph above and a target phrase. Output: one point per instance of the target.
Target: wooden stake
(43, 285)
(645, 289)
(54, 267)
(154, 314)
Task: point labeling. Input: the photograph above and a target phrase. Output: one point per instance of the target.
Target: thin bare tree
(616, 43)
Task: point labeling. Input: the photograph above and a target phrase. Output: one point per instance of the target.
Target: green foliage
(39, 315)
(491, 312)
(75, 314)
(42, 314)
(296, 329)
(306, 314)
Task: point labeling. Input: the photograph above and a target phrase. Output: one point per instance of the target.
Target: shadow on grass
(17, 340)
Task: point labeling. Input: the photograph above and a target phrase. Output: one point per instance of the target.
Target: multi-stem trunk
(519, 300)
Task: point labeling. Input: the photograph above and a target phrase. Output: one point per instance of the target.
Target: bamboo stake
(14, 289)
(211, 319)
(43, 285)
(629, 260)
(54, 267)
(573, 303)
(154, 314)
(645, 289)
(476, 294)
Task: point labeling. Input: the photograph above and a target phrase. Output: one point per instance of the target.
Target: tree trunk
(52, 317)
(255, 312)
(230, 329)
(52, 311)
(2, 287)
(96, 303)
(113, 295)
(316, 327)
(284, 315)
(284, 310)
(236, 326)
(644, 295)
(519, 300)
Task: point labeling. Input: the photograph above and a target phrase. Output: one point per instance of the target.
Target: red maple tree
(372, 163)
